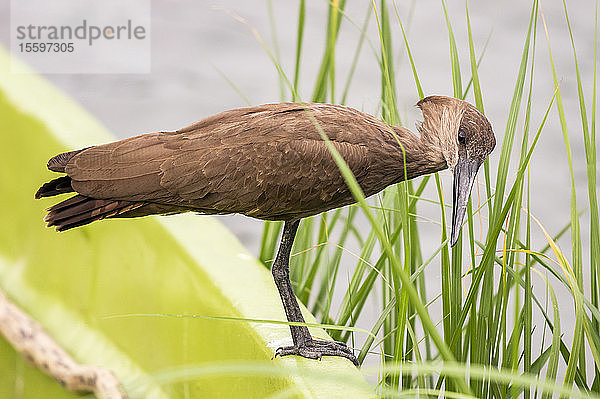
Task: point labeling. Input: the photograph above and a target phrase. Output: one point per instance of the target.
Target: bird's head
(464, 138)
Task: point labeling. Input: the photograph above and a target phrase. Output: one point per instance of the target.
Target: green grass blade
(552, 369)
(361, 40)
(388, 87)
(452, 268)
(268, 242)
(410, 56)
(336, 8)
(576, 351)
(276, 53)
(590, 152)
(511, 123)
(299, 40)
(454, 60)
(474, 63)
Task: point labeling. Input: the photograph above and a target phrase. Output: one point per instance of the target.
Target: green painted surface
(76, 282)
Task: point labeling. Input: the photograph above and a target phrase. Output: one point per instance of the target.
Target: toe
(317, 349)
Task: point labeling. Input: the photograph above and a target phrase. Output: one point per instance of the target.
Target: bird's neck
(422, 157)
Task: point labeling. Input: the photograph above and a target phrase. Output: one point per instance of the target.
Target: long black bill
(464, 177)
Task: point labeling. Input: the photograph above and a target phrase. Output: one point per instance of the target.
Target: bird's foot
(315, 349)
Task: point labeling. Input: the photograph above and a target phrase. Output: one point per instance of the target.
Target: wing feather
(267, 161)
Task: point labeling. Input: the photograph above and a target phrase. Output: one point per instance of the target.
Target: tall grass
(485, 338)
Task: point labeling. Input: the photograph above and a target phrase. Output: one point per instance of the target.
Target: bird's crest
(442, 118)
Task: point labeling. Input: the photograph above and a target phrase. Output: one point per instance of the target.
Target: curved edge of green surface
(113, 293)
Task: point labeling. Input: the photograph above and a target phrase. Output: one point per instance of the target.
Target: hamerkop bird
(270, 162)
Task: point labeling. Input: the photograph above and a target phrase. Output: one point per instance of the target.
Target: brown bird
(270, 162)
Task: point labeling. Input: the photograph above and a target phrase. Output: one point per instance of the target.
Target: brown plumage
(269, 162)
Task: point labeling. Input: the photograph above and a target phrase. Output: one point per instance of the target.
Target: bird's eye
(462, 137)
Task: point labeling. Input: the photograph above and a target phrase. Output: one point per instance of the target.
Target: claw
(316, 349)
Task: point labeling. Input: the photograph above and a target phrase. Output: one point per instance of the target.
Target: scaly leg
(304, 344)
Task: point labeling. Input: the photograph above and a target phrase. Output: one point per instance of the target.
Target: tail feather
(77, 199)
(58, 163)
(55, 187)
(79, 210)
(61, 185)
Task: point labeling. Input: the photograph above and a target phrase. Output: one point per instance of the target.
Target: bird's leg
(304, 344)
